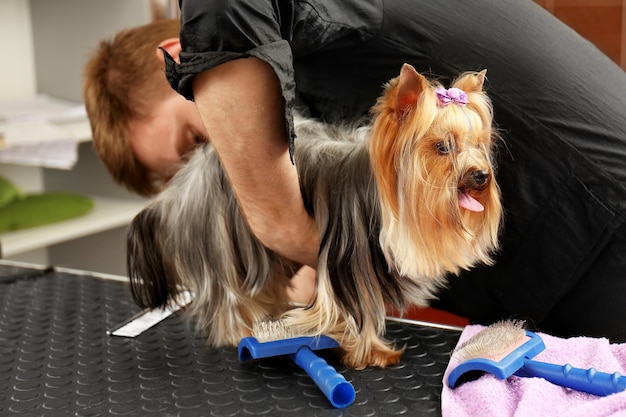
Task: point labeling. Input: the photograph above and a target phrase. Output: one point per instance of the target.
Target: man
(246, 64)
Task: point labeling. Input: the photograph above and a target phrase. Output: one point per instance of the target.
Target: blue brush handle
(334, 386)
(585, 380)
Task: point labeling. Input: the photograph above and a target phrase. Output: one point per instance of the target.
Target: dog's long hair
(390, 201)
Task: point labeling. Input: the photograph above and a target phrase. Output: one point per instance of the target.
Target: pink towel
(520, 397)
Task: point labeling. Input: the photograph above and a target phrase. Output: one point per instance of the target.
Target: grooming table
(56, 359)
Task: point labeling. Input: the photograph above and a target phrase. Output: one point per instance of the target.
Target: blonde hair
(121, 81)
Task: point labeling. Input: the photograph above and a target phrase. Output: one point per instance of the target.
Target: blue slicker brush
(339, 392)
(505, 348)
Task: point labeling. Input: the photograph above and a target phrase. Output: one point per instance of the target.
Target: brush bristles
(270, 330)
(493, 342)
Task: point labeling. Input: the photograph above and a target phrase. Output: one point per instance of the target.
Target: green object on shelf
(9, 192)
(42, 209)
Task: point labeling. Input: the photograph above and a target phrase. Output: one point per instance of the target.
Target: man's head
(141, 127)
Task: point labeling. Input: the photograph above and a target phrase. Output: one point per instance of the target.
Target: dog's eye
(442, 148)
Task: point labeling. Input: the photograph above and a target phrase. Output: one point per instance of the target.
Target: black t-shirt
(559, 103)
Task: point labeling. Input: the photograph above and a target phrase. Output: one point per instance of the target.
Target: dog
(400, 203)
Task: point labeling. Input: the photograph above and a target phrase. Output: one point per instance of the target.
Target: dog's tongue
(469, 203)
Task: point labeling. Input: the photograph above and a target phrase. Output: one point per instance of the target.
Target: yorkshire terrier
(400, 204)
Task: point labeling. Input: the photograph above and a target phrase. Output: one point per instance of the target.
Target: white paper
(32, 133)
(24, 133)
(144, 320)
(58, 155)
(41, 107)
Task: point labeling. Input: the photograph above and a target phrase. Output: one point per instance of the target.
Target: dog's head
(432, 155)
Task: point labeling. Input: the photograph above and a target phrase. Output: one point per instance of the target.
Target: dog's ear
(410, 85)
(151, 281)
(471, 82)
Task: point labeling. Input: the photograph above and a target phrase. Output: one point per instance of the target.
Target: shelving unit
(61, 36)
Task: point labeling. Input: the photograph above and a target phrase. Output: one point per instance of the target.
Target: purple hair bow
(451, 95)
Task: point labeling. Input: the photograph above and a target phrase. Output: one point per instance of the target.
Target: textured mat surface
(57, 360)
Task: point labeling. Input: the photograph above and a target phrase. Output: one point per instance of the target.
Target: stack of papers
(33, 131)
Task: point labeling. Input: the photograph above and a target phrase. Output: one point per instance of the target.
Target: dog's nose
(476, 179)
(480, 176)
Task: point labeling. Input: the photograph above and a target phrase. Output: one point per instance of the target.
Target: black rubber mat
(57, 360)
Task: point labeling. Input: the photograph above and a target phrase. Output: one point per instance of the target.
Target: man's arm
(242, 109)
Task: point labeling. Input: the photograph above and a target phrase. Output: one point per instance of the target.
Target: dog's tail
(151, 280)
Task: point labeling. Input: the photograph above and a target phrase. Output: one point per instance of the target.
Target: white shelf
(107, 213)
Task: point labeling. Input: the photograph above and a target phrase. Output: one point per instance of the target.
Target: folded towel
(9, 192)
(520, 397)
(41, 209)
